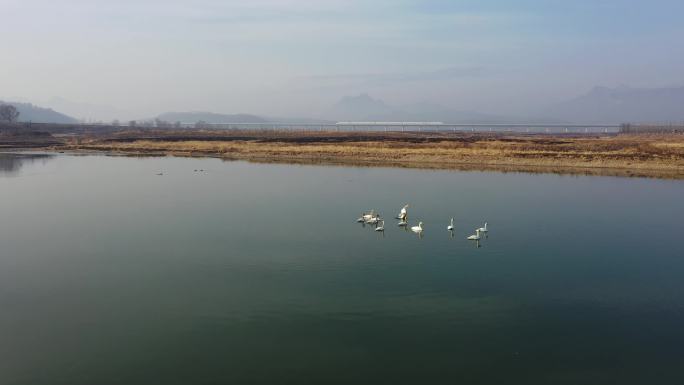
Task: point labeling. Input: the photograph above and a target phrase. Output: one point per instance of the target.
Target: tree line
(8, 113)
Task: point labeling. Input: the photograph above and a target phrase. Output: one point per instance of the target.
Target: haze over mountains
(29, 112)
(601, 105)
(623, 104)
(365, 108)
(210, 117)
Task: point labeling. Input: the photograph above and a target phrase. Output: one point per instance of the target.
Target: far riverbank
(652, 155)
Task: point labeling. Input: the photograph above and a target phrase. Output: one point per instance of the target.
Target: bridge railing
(341, 127)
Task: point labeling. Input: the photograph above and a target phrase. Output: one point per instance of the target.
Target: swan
(402, 213)
(418, 229)
(451, 226)
(483, 229)
(476, 236)
(381, 227)
(366, 216)
(373, 220)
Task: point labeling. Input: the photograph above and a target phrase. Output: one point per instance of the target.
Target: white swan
(402, 213)
(451, 226)
(366, 216)
(381, 227)
(483, 229)
(418, 229)
(373, 220)
(476, 236)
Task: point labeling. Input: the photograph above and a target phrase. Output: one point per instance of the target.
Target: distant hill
(361, 107)
(365, 108)
(85, 111)
(210, 117)
(32, 113)
(622, 104)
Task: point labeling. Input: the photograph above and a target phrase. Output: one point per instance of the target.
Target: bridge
(336, 127)
(414, 127)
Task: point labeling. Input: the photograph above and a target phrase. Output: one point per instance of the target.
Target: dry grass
(643, 155)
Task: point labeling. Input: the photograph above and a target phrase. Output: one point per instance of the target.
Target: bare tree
(8, 112)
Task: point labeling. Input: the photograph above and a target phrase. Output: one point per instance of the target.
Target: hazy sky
(297, 57)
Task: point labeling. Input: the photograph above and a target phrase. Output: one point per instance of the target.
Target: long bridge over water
(349, 127)
(414, 127)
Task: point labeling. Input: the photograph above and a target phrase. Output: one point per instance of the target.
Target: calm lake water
(258, 274)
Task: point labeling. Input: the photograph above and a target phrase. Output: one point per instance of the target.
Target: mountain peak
(623, 104)
(359, 107)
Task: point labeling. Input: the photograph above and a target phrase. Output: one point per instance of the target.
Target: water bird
(161, 173)
(476, 236)
(381, 227)
(451, 225)
(374, 220)
(402, 213)
(365, 216)
(418, 229)
(369, 215)
(483, 229)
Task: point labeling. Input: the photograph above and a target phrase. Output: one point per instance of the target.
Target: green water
(259, 274)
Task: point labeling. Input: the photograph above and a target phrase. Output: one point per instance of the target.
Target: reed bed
(643, 155)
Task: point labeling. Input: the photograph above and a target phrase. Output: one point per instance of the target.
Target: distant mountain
(32, 113)
(622, 105)
(298, 120)
(365, 108)
(210, 117)
(361, 107)
(86, 111)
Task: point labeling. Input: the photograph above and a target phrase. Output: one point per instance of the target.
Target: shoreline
(626, 155)
(418, 165)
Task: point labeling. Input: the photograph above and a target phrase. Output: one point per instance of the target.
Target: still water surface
(259, 274)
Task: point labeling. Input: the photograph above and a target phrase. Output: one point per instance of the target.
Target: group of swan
(366, 217)
(374, 219)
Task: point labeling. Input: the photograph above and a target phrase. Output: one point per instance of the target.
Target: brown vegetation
(12, 137)
(656, 155)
